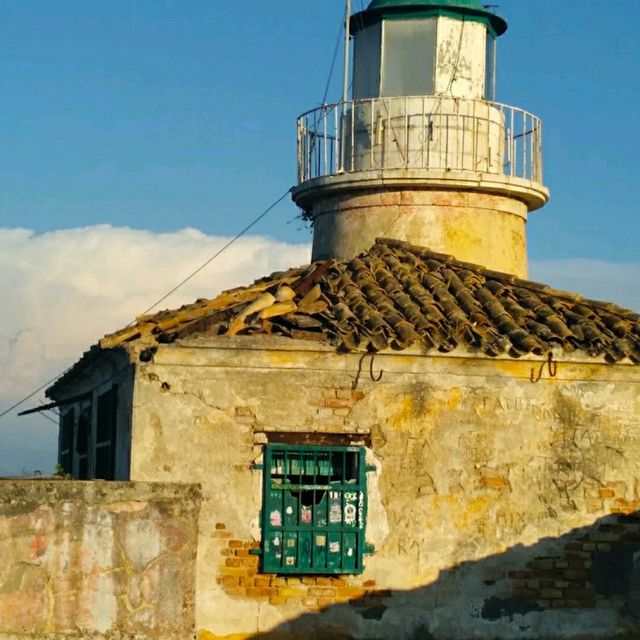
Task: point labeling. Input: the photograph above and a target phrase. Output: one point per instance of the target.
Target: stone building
(392, 442)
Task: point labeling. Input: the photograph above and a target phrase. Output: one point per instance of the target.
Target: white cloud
(63, 290)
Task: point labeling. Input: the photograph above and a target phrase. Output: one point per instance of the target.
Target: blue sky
(158, 114)
(124, 122)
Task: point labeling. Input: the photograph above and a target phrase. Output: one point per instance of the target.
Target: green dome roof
(399, 9)
(456, 4)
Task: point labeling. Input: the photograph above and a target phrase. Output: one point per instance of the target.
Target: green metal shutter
(314, 509)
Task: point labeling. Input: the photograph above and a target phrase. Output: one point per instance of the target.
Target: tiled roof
(397, 295)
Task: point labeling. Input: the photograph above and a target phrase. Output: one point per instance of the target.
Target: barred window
(314, 509)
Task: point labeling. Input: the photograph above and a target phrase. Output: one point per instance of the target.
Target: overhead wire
(164, 297)
(209, 260)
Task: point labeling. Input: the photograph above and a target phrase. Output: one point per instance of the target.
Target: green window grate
(314, 509)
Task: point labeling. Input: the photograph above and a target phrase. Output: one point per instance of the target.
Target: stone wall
(97, 560)
(486, 470)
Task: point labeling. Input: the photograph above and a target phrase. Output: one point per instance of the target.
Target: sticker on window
(305, 515)
(275, 518)
(350, 514)
(334, 547)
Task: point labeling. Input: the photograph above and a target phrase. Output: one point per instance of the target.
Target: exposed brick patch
(588, 565)
(239, 576)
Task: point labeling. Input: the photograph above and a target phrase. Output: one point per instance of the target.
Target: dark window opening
(65, 456)
(106, 428)
(83, 438)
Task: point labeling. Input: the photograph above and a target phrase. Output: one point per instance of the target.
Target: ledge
(533, 194)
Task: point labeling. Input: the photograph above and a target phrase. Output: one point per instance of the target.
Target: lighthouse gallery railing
(422, 132)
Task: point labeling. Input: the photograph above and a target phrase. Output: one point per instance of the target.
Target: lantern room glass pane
(366, 62)
(408, 57)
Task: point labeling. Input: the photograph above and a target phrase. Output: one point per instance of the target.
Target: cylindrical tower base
(482, 228)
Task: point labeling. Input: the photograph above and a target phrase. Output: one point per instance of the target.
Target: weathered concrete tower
(422, 152)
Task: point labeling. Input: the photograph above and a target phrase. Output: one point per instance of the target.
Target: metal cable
(155, 304)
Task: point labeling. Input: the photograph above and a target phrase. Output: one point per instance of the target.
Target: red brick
(220, 525)
(229, 581)
(233, 562)
(369, 583)
(233, 571)
(291, 592)
(575, 574)
(322, 591)
(236, 544)
(262, 581)
(350, 592)
(250, 561)
(334, 403)
(578, 594)
(522, 575)
(277, 601)
(277, 581)
(326, 602)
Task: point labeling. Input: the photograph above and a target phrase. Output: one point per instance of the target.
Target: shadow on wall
(584, 584)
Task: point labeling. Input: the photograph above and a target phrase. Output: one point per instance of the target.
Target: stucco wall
(97, 560)
(484, 482)
(480, 228)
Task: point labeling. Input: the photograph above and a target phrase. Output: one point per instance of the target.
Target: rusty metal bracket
(374, 378)
(552, 367)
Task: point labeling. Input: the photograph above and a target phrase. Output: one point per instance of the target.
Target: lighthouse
(421, 151)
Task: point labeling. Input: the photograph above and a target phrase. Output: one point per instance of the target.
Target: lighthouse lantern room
(422, 152)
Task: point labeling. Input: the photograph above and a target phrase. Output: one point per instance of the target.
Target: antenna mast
(345, 76)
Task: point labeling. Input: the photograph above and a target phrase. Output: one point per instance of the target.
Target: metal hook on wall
(552, 368)
(379, 376)
(374, 378)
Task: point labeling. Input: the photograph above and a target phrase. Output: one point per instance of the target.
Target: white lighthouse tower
(422, 152)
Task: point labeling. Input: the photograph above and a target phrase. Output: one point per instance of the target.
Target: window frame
(321, 546)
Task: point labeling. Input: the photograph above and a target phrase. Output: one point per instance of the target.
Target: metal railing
(422, 132)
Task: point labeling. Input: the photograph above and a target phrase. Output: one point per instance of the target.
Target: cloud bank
(63, 290)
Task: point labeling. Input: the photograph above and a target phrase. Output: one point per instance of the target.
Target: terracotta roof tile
(397, 295)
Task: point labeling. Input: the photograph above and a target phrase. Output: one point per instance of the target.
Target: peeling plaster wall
(97, 560)
(484, 482)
